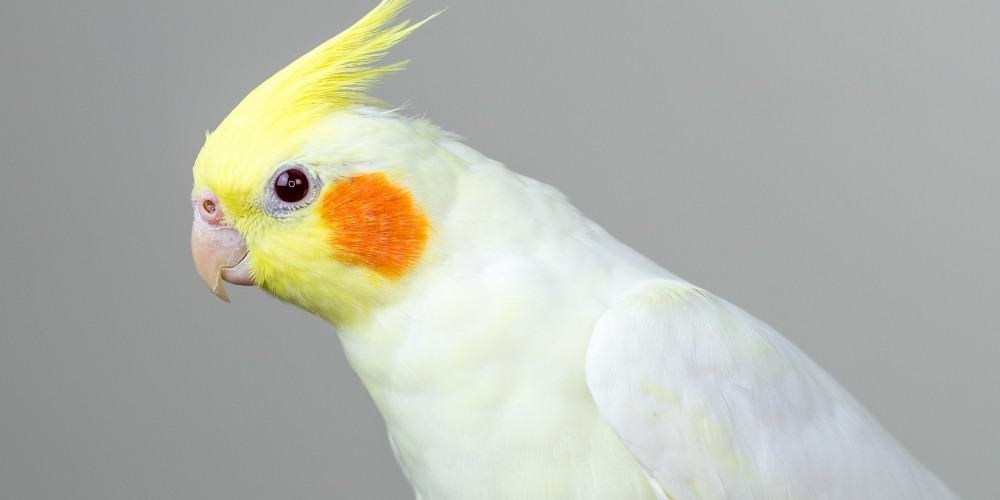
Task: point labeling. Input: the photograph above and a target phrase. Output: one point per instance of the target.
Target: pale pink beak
(219, 251)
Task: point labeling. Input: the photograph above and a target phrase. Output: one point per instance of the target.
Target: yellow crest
(268, 123)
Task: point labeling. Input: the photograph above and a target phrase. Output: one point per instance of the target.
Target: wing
(715, 404)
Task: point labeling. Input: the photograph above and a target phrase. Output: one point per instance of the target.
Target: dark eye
(292, 185)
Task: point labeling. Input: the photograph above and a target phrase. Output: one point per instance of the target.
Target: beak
(220, 253)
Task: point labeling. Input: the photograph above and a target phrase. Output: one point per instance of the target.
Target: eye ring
(292, 187)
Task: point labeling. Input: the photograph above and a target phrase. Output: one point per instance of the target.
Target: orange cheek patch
(374, 223)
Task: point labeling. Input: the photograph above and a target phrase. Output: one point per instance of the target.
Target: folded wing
(717, 405)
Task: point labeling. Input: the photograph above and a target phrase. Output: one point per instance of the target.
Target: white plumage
(533, 356)
(715, 404)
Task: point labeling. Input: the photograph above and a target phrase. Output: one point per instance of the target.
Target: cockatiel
(514, 348)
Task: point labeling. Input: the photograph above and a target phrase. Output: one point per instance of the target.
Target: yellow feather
(268, 126)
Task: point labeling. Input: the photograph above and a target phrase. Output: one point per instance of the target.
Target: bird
(514, 348)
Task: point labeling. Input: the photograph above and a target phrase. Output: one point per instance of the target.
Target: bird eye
(291, 188)
(292, 185)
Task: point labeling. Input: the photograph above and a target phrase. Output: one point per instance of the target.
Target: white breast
(480, 372)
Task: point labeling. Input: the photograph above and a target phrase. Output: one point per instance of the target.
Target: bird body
(480, 366)
(448, 363)
(515, 349)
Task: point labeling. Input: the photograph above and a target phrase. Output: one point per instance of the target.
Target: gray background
(831, 168)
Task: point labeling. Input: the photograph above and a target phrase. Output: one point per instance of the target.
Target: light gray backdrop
(831, 168)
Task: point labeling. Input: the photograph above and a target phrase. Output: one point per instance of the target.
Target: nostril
(207, 207)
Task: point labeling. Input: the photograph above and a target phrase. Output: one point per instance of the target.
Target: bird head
(313, 192)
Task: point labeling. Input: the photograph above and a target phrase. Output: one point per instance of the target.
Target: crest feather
(332, 76)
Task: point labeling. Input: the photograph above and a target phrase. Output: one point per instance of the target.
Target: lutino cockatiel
(514, 348)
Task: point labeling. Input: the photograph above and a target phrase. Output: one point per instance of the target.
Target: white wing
(717, 405)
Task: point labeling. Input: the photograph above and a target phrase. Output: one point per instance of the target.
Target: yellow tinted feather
(267, 127)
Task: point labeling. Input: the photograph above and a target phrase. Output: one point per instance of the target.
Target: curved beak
(220, 253)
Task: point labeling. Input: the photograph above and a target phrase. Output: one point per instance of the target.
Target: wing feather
(717, 405)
